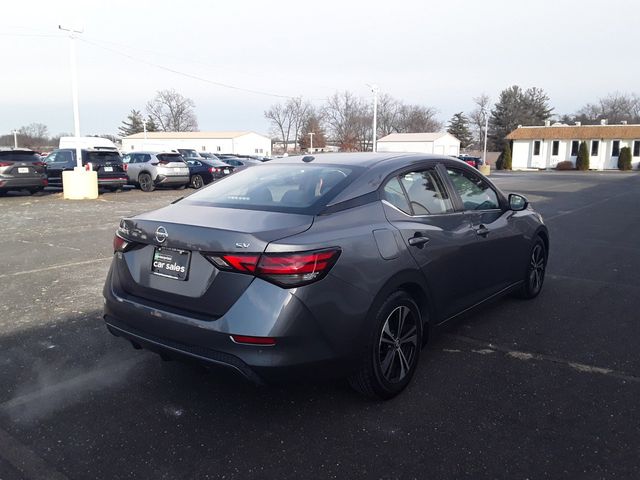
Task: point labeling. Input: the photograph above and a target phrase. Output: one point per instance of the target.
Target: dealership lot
(547, 388)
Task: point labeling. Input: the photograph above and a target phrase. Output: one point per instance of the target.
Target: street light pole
(374, 90)
(74, 89)
(311, 134)
(486, 132)
(15, 139)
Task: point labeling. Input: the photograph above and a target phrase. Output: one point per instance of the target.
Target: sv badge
(242, 245)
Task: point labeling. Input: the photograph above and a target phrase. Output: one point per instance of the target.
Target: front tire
(145, 182)
(392, 355)
(536, 268)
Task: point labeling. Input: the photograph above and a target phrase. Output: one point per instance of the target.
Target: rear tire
(392, 355)
(33, 191)
(197, 182)
(536, 268)
(145, 182)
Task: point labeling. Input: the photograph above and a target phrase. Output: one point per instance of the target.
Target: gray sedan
(339, 264)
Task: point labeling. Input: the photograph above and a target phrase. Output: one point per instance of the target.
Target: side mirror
(517, 202)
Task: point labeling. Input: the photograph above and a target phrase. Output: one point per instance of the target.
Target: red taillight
(88, 166)
(214, 170)
(285, 269)
(39, 164)
(5, 164)
(125, 166)
(120, 244)
(247, 340)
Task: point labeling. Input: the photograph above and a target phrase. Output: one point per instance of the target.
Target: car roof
(362, 159)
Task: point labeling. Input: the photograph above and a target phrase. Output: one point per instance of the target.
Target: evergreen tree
(582, 160)
(624, 159)
(132, 124)
(459, 128)
(151, 125)
(506, 156)
(517, 107)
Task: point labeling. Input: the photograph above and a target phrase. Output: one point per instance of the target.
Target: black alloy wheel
(146, 183)
(196, 181)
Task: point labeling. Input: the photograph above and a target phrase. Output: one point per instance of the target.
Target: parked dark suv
(21, 169)
(108, 164)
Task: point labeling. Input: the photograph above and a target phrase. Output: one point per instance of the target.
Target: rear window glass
(103, 157)
(284, 188)
(17, 156)
(170, 157)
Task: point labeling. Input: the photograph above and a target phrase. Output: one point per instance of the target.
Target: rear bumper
(303, 346)
(172, 179)
(113, 181)
(23, 182)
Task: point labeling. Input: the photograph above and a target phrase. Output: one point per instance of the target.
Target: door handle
(418, 240)
(482, 230)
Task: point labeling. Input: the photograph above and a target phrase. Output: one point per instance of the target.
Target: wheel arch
(413, 283)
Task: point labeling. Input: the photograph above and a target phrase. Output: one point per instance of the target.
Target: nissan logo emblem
(161, 234)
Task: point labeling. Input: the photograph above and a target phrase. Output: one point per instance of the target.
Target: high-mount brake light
(293, 269)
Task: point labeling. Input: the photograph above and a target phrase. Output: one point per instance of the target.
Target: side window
(393, 194)
(426, 193)
(474, 192)
(145, 157)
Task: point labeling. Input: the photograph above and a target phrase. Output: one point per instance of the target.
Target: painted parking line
(54, 267)
(485, 348)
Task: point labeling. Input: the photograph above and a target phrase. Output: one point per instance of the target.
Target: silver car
(149, 170)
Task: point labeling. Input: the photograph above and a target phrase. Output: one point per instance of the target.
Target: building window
(595, 146)
(555, 147)
(636, 148)
(218, 148)
(575, 146)
(536, 147)
(256, 150)
(204, 148)
(615, 151)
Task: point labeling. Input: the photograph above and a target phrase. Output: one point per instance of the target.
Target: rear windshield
(103, 157)
(170, 157)
(18, 156)
(280, 188)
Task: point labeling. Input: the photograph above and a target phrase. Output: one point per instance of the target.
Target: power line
(185, 74)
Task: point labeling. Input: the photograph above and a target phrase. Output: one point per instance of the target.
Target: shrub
(506, 156)
(582, 160)
(624, 159)
(566, 165)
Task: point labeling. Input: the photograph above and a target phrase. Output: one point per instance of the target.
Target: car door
(497, 240)
(439, 237)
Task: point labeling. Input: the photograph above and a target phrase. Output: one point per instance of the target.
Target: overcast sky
(439, 54)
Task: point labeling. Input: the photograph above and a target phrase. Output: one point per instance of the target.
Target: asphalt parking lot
(548, 388)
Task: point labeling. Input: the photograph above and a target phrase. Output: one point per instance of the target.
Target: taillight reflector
(120, 244)
(247, 340)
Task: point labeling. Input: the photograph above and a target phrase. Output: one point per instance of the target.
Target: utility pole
(311, 134)
(144, 126)
(486, 132)
(74, 89)
(15, 138)
(374, 90)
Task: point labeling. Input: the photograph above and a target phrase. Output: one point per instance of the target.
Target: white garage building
(544, 147)
(441, 143)
(243, 143)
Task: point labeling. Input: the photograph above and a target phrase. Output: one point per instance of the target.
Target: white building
(544, 147)
(441, 143)
(243, 143)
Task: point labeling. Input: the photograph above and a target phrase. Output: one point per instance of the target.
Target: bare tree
(343, 113)
(280, 117)
(417, 118)
(300, 112)
(615, 108)
(35, 130)
(172, 112)
(388, 115)
(477, 117)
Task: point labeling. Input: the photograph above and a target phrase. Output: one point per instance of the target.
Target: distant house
(441, 143)
(545, 146)
(243, 143)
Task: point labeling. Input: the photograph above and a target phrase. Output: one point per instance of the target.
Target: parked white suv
(151, 169)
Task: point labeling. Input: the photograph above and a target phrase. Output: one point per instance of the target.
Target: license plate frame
(108, 169)
(226, 171)
(170, 262)
(23, 169)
